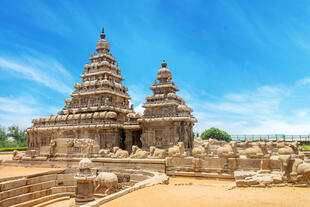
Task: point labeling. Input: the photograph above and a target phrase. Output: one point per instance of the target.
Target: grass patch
(305, 147)
(9, 149)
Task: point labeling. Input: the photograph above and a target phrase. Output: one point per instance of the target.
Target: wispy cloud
(267, 109)
(40, 69)
(21, 110)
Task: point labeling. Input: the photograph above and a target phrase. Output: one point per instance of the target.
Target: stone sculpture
(105, 153)
(254, 152)
(119, 153)
(177, 150)
(84, 191)
(300, 171)
(156, 153)
(106, 182)
(199, 152)
(17, 155)
(137, 153)
(228, 150)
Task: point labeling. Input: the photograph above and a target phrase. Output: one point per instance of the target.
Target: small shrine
(167, 119)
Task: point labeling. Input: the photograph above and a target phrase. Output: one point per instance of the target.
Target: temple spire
(102, 35)
(164, 64)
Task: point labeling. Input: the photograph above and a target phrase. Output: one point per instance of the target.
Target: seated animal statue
(300, 171)
(105, 153)
(119, 153)
(156, 153)
(177, 150)
(254, 152)
(17, 155)
(106, 182)
(286, 150)
(228, 150)
(199, 152)
(138, 153)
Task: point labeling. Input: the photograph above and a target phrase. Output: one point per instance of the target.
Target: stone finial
(164, 64)
(102, 35)
(85, 163)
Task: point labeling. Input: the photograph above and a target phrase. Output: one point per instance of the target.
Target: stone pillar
(128, 140)
(85, 183)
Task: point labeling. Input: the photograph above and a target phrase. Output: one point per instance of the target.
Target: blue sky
(243, 66)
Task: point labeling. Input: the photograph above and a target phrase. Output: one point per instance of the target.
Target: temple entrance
(122, 144)
(136, 138)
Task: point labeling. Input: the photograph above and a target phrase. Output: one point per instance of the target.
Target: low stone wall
(157, 165)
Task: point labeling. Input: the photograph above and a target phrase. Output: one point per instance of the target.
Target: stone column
(128, 140)
(85, 188)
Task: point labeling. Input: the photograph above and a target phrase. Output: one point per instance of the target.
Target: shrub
(13, 148)
(214, 133)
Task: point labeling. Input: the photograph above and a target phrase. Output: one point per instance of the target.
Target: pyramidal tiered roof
(101, 95)
(164, 104)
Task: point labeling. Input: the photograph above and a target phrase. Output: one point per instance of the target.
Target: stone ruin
(98, 115)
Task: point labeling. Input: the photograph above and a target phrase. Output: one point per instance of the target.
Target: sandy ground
(208, 196)
(211, 196)
(6, 156)
(6, 171)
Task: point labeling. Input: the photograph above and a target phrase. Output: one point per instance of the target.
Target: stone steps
(43, 201)
(23, 190)
(24, 199)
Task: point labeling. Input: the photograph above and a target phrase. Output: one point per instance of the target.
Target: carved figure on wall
(228, 150)
(254, 152)
(137, 153)
(199, 152)
(119, 153)
(177, 150)
(300, 171)
(105, 153)
(53, 145)
(156, 153)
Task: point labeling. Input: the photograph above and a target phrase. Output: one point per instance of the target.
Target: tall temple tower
(97, 116)
(167, 119)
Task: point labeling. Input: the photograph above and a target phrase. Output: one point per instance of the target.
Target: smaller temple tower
(167, 119)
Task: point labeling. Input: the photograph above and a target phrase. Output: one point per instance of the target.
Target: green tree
(214, 133)
(19, 135)
(3, 136)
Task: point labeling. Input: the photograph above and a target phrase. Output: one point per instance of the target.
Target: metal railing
(272, 137)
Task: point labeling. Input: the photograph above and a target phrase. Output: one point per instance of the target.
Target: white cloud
(265, 110)
(139, 109)
(21, 110)
(43, 72)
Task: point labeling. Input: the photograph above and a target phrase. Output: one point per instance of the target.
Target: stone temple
(98, 115)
